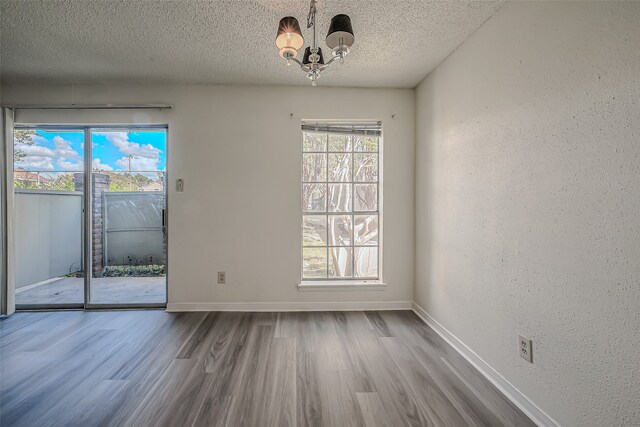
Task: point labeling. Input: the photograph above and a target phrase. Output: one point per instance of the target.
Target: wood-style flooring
(151, 368)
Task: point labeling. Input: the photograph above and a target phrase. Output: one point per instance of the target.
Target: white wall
(239, 153)
(528, 203)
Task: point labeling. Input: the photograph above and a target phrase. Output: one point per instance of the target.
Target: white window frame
(346, 283)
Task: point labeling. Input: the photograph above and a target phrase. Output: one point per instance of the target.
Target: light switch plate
(179, 185)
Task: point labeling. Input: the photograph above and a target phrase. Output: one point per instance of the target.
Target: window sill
(342, 285)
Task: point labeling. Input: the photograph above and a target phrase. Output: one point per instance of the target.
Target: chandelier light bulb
(289, 38)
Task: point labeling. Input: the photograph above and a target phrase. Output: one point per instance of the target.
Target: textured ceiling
(225, 42)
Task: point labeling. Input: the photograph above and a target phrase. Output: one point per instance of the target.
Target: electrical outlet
(222, 277)
(525, 348)
(179, 185)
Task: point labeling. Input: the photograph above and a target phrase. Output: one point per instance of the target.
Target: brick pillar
(100, 185)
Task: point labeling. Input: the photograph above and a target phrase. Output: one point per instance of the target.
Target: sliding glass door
(90, 217)
(48, 218)
(129, 238)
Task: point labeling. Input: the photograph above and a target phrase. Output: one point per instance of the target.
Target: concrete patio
(105, 290)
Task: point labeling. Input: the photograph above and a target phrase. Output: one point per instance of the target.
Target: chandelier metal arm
(303, 66)
(333, 58)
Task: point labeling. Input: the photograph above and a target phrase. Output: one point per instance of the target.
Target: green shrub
(133, 271)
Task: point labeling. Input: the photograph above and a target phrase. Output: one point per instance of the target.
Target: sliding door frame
(87, 208)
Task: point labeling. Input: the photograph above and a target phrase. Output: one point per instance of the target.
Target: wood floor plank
(16, 322)
(278, 405)
(308, 395)
(199, 335)
(379, 324)
(152, 410)
(373, 410)
(48, 396)
(223, 366)
(338, 391)
(348, 325)
(227, 349)
(214, 412)
(145, 363)
(434, 400)
(43, 368)
(151, 368)
(304, 332)
(99, 404)
(249, 390)
(285, 324)
(186, 400)
(330, 353)
(397, 397)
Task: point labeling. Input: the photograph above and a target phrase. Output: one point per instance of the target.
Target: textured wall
(528, 203)
(240, 155)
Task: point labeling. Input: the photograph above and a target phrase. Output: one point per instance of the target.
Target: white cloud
(35, 150)
(137, 164)
(144, 151)
(64, 150)
(38, 139)
(96, 164)
(39, 157)
(36, 162)
(70, 166)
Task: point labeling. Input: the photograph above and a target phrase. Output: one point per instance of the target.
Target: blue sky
(64, 151)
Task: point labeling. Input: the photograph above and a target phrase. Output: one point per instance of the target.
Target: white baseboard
(525, 404)
(289, 306)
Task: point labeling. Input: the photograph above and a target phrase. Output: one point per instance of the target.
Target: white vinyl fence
(133, 228)
(48, 234)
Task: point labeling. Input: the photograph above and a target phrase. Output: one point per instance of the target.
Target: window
(341, 201)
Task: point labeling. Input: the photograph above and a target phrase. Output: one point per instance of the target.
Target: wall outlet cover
(525, 348)
(222, 277)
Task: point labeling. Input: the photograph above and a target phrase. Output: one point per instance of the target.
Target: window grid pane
(350, 217)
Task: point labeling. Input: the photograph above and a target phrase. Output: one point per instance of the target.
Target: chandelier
(289, 40)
